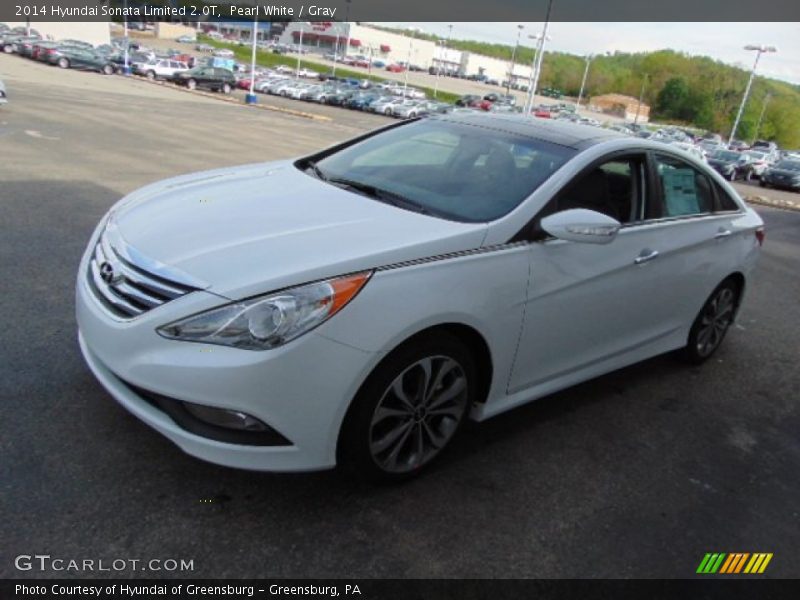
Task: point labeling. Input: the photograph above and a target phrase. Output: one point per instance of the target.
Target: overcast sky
(722, 41)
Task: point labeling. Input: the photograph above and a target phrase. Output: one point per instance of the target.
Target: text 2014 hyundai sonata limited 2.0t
(356, 306)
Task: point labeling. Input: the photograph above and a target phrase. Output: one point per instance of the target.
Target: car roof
(563, 133)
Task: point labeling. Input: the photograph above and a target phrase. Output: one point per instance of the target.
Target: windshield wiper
(381, 195)
(311, 165)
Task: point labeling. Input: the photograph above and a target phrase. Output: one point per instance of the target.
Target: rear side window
(724, 201)
(685, 191)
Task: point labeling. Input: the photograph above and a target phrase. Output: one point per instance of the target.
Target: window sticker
(680, 192)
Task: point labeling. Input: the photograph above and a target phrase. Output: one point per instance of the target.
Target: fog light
(229, 419)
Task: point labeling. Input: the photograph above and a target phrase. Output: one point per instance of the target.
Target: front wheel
(63, 63)
(151, 75)
(713, 322)
(732, 176)
(409, 409)
(108, 70)
(748, 176)
(226, 88)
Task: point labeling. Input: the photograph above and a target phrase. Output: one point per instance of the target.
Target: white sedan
(357, 305)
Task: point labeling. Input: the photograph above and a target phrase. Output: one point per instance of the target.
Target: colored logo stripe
(720, 562)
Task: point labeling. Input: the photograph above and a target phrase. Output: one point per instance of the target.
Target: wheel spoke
(391, 459)
(449, 394)
(445, 367)
(400, 393)
(437, 439)
(386, 412)
(388, 439)
(424, 379)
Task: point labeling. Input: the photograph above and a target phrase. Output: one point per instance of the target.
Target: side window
(684, 190)
(613, 188)
(724, 201)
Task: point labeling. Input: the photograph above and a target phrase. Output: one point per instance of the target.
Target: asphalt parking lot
(636, 474)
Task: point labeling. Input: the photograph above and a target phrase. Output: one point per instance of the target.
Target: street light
(759, 50)
(528, 99)
(641, 98)
(251, 97)
(413, 30)
(540, 57)
(767, 98)
(588, 59)
(513, 57)
(347, 20)
(442, 57)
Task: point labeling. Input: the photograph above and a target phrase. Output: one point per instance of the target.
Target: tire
(712, 323)
(108, 70)
(151, 75)
(63, 63)
(732, 176)
(226, 88)
(388, 112)
(762, 183)
(191, 84)
(748, 176)
(392, 416)
(8, 48)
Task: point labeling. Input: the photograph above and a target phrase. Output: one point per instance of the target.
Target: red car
(395, 68)
(360, 62)
(542, 113)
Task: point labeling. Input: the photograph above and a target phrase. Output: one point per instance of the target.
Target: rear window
(454, 170)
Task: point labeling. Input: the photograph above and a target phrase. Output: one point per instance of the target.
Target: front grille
(124, 288)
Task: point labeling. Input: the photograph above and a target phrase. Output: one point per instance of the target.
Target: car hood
(252, 229)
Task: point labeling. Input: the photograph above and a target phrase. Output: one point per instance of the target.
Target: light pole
(588, 58)
(759, 50)
(641, 97)
(540, 54)
(299, 53)
(767, 98)
(442, 56)
(251, 97)
(347, 21)
(413, 30)
(335, 54)
(126, 70)
(529, 97)
(513, 58)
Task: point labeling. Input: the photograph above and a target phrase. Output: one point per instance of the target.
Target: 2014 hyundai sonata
(357, 305)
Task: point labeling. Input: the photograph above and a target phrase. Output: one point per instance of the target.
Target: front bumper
(302, 390)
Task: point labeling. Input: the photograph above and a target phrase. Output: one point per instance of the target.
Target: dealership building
(393, 47)
(96, 33)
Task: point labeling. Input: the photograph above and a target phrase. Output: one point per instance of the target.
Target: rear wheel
(409, 409)
(8, 48)
(732, 176)
(108, 70)
(191, 84)
(151, 75)
(226, 88)
(713, 322)
(63, 63)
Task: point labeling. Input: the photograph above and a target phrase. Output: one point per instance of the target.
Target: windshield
(723, 155)
(789, 165)
(452, 170)
(756, 155)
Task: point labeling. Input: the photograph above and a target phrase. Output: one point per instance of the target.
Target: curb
(232, 100)
(780, 203)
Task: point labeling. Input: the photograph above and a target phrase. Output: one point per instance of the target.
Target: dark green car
(69, 57)
(209, 78)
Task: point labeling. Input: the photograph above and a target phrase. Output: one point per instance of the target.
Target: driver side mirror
(581, 225)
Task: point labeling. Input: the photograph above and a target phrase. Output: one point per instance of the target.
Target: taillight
(760, 235)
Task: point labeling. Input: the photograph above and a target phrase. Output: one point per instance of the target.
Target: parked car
(85, 60)
(785, 175)
(208, 78)
(186, 39)
(759, 161)
(731, 165)
(223, 53)
(3, 93)
(163, 68)
(395, 68)
(409, 295)
(690, 149)
(204, 48)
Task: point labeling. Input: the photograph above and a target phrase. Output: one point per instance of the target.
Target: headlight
(269, 321)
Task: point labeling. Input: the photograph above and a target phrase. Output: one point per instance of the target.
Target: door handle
(646, 256)
(723, 233)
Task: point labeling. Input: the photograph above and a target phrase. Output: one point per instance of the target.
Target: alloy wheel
(418, 414)
(715, 320)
